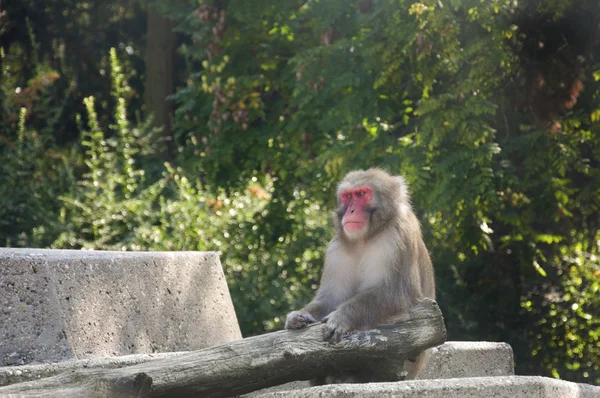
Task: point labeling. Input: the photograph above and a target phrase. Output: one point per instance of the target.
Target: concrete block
(473, 387)
(469, 359)
(62, 304)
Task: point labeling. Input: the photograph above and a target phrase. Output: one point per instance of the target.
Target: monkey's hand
(299, 320)
(336, 325)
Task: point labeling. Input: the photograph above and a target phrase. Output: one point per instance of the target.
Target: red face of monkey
(355, 203)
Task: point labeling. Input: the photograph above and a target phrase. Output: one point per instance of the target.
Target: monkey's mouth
(353, 226)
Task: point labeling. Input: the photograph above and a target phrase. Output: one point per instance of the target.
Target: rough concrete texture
(474, 387)
(450, 360)
(62, 304)
(469, 359)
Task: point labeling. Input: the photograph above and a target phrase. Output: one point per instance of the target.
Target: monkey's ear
(403, 187)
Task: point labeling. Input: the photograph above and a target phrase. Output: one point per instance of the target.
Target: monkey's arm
(371, 307)
(328, 296)
(318, 309)
(311, 313)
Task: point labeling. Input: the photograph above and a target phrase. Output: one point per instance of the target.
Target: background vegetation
(490, 109)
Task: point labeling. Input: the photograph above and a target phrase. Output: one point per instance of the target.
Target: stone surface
(62, 304)
(473, 387)
(469, 359)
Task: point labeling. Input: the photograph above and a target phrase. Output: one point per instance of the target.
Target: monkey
(376, 266)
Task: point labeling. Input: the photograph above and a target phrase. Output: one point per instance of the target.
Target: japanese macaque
(376, 266)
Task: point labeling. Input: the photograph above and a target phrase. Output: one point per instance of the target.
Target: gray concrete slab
(469, 359)
(475, 387)
(62, 304)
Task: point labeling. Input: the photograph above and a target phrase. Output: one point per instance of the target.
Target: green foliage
(33, 175)
(96, 212)
(462, 97)
(70, 39)
(571, 324)
(34, 170)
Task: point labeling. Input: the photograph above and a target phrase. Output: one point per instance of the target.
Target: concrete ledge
(469, 359)
(476, 387)
(62, 304)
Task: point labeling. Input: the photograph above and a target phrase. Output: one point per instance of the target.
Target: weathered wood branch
(250, 364)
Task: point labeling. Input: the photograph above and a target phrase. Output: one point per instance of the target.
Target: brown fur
(373, 277)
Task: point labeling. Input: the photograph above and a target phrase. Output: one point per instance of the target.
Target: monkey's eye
(349, 195)
(361, 193)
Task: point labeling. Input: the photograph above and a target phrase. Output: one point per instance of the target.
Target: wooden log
(257, 362)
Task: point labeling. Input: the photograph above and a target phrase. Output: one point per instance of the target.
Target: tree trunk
(160, 53)
(254, 363)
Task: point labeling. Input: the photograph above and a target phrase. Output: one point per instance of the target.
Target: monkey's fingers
(328, 333)
(337, 337)
(298, 320)
(333, 335)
